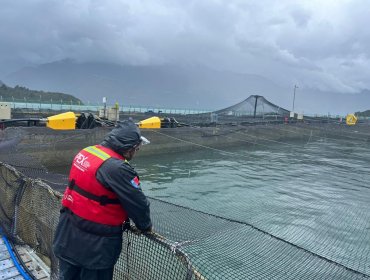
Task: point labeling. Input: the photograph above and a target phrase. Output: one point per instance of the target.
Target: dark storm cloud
(318, 44)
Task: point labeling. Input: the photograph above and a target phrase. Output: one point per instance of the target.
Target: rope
(243, 140)
(196, 144)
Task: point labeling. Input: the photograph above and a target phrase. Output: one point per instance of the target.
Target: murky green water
(315, 195)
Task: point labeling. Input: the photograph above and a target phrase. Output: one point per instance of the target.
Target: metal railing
(96, 107)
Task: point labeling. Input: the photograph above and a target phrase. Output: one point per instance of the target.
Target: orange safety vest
(85, 196)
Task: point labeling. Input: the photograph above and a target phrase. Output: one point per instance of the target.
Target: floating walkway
(9, 269)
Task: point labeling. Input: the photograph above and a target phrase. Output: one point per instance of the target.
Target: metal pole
(105, 106)
(295, 87)
(255, 106)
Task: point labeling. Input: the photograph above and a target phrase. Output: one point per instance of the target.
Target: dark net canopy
(254, 105)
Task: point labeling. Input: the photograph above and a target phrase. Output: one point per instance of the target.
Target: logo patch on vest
(135, 182)
(81, 162)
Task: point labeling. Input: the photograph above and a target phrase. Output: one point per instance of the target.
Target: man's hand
(137, 231)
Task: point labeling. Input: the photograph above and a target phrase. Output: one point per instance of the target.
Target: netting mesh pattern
(188, 243)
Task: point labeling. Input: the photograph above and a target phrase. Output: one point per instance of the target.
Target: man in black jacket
(103, 194)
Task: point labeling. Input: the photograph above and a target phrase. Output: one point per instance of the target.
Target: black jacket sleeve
(117, 175)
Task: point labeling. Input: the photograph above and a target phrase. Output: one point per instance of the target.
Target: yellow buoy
(351, 119)
(64, 121)
(153, 122)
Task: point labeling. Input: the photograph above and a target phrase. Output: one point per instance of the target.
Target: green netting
(193, 242)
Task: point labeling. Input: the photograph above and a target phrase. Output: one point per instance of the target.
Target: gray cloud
(317, 44)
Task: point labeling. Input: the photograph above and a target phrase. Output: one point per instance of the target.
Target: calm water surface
(315, 195)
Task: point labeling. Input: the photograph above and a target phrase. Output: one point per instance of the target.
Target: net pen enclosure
(203, 238)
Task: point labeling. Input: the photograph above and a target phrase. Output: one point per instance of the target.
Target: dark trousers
(68, 271)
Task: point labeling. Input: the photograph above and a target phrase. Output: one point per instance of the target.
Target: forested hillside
(23, 94)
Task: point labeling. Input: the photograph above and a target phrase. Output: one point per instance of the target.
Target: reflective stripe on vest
(97, 152)
(83, 171)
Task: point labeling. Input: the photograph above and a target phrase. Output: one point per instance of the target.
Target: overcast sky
(320, 44)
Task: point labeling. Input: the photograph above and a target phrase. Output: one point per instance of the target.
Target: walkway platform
(8, 270)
